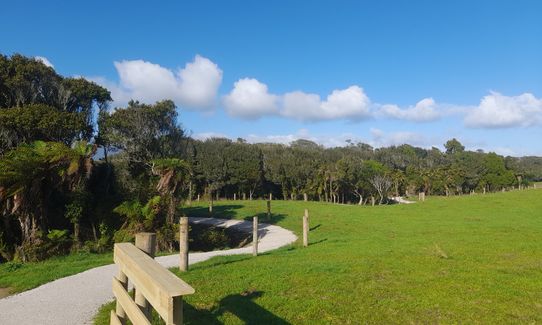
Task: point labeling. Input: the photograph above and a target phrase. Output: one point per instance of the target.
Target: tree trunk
(76, 234)
(305, 197)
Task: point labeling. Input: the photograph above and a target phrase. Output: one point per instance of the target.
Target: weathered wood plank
(114, 320)
(156, 283)
(132, 310)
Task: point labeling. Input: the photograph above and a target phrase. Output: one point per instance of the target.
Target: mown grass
(471, 259)
(23, 276)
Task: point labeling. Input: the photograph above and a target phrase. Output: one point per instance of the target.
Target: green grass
(471, 259)
(23, 276)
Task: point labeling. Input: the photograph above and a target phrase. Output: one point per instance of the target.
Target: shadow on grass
(227, 211)
(263, 218)
(241, 305)
(315, 227)
(317, 242)
(221, 263)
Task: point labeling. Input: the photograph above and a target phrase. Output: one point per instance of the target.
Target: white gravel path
(75, 299)
(400, 200)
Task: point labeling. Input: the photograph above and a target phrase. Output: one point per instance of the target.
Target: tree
(28, 176)
(453, 146)
(174, 175)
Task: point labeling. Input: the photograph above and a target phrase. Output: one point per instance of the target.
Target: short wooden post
(211, 205)
(306, 228)
(178, 310)
(305, 197)
(372, 201)
(268, 209)
(235, 196)
(244, 196)
(198, 197)
(145, 241)
(421, 196)
(270, 196)
(183, 244)
(255, 236)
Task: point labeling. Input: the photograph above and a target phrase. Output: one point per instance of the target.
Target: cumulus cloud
(499, 111)
(351, 103)
(208, 135)
(383, 139)
(44, 61)
(250, 99)
(424, 111)
(193, 87)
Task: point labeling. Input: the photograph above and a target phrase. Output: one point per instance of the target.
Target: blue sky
(381, 72)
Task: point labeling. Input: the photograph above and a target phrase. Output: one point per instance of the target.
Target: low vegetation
(463, 259)
(78, 176)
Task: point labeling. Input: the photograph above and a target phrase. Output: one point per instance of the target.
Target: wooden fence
(160, 288)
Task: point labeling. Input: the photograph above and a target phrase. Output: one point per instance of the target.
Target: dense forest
(78, 174)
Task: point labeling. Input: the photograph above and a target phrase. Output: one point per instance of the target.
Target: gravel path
(75, 299)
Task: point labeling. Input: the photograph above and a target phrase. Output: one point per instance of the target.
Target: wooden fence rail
(160, 288)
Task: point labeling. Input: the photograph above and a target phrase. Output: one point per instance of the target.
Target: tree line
(78, 175)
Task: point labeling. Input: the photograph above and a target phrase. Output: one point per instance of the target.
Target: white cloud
(424, 111)
(500, 111)
(351, 103)
(250, 99)
(383, 139)
(208, 135)
(45, 61)
(193, 87)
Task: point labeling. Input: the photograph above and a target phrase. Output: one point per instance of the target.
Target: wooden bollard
(421, 196)
(211, 205)
(270, 196)
(183, 244)
(198, 197)
(268, 209)
(255, 236)
(145, 241)
(235, 196)
(306, 228)
(372, 201)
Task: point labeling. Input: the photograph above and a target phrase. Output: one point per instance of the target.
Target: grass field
(471, 259)
(19, 277)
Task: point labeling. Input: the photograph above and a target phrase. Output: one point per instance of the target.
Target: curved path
(75, 299)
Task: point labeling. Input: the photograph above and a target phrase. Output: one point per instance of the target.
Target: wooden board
(156, 283)
(132, 310)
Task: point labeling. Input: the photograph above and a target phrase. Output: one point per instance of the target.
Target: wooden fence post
(421, 196)
(211, 205)
(123, 279)
(269, 210)
(306, 228)
(183, 244)
(235, 196)
(145, 241)
(255, 236)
